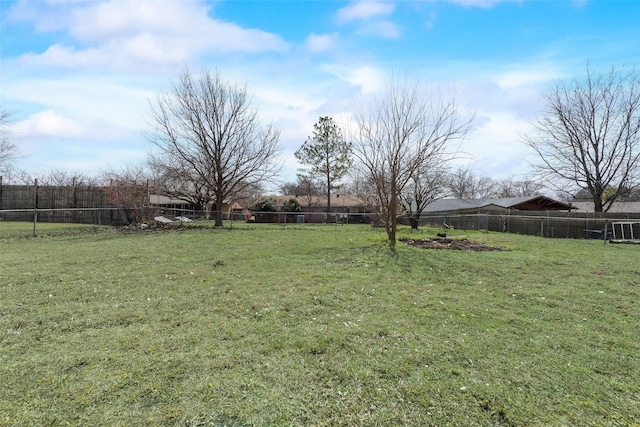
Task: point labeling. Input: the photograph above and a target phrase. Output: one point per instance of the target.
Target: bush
(292, 205)
(265, 210)
(264, 205)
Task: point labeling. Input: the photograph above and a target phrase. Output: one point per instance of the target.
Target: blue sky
(79, 74)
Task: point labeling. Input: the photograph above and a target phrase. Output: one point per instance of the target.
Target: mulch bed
(451, 244)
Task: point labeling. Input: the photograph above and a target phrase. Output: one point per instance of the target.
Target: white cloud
(367, 78)
(63, 56)
(50, 140)
(129, 34)
(185, 22)
(106, 20)
(369, 15)
(384, 29)
(45, 17)
(321, 42)
(486, 4)
(497, 141)
(90, 99)
(362, 10)
(47, 124)
(522, 77)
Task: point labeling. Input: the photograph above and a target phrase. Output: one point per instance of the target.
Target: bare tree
(397, 133)
(362, 186)
(305, 188)
(327, 155)
(174, 178)
(427, 184)
(8, 150)
(511, 187)
(64, 178)
(211, 143)
(589, 135)
(129, 188)
(465, 184)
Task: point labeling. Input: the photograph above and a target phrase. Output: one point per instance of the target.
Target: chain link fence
(545, 224)
(96, 216)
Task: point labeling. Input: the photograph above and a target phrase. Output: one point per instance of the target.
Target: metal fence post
(35, 207)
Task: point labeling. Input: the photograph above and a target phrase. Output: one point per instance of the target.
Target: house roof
(531, 203)
(337, 200)
(157, 199)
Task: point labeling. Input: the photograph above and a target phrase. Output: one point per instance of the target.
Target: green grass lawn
(314, 325)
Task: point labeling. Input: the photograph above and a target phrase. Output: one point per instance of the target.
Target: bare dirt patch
(451, 244)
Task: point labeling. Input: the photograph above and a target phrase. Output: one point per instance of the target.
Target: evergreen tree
(326, 154)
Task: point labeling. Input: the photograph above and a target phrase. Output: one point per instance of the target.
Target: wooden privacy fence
(76, 204)
(52, 197)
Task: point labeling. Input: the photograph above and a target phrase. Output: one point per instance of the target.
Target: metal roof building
(532, 203)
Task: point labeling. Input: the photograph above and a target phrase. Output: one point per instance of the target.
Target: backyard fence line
(544, 224)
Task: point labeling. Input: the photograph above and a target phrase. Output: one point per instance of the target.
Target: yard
(314, 325)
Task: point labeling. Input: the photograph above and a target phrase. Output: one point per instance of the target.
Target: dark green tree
(265, 210)
(292, 205)
(326, 154)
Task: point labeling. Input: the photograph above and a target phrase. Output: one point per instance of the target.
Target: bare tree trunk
(328, 200)
(218, 212)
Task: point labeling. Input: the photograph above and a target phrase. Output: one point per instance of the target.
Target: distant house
(344, 207)
(510, 204)
(183, 207)
(629, 203)
(165, 202)
(616, 207)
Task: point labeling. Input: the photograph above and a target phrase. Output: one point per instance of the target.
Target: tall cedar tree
(327, 155)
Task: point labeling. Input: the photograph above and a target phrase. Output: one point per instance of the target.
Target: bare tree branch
(8, 150)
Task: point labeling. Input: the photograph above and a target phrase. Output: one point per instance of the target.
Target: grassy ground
(314, 325)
